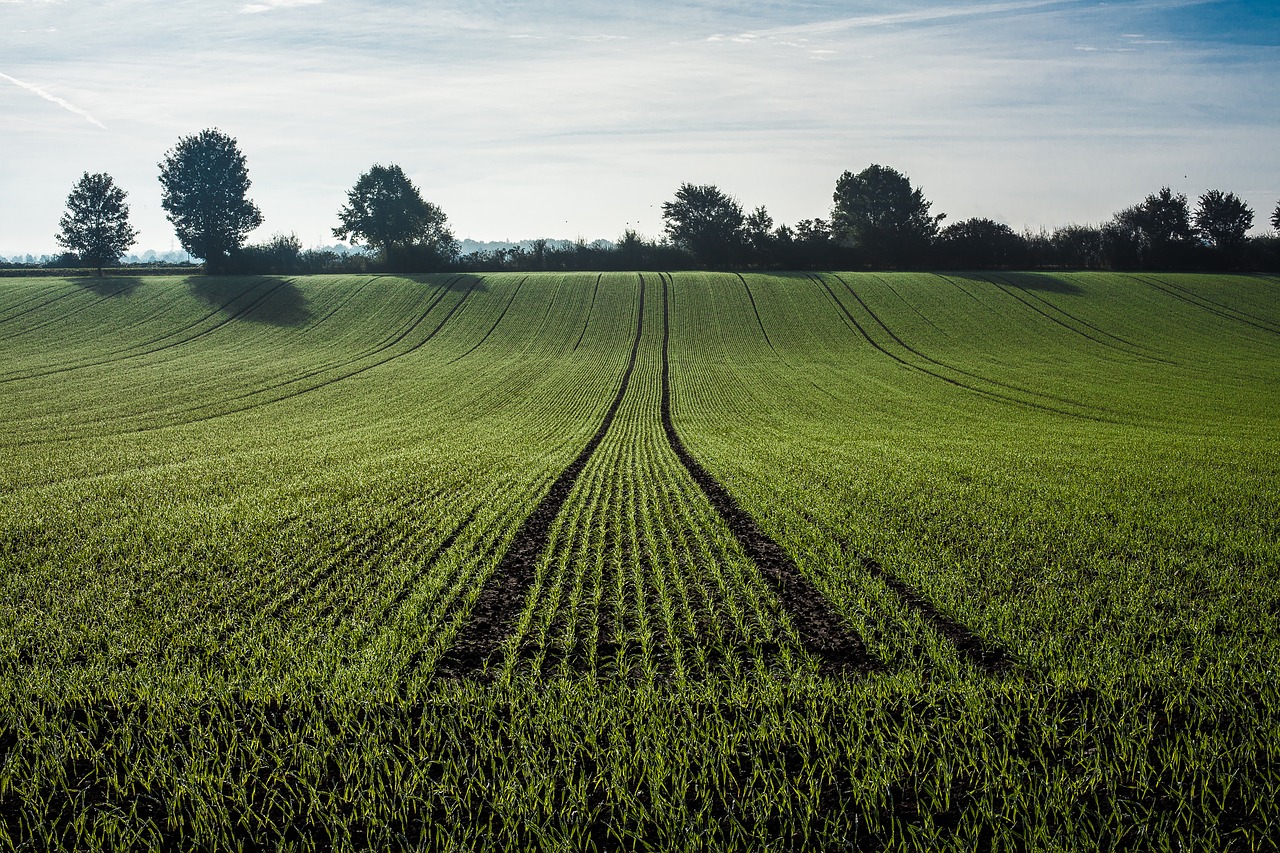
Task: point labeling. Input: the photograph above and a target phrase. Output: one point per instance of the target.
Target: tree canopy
(706, 222)
(206, 183)
(879, 213)
(1223, 219)
(980, 243)
(1165, 217)
(96, 225)
(1275, 217)
(385, 210)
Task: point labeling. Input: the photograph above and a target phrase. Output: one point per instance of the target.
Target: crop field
(640, 561)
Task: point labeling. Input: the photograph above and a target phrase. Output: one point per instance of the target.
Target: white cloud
(918, 16)
(271, 5)
(54, 99)
(521, 120)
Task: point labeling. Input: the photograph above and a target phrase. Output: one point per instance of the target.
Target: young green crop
(242, 522)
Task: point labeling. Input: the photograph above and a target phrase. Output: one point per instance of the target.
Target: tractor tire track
(181, 342)
(991, 658)
(587, 322)
(410, 584)
(823, 632)
(945, 366)
(287, 590)
(497, 607)
(1216, 308)
(1073, 318)
(346, 300)
(991, 395)
(289, 396)
(913, 308)
(756, 311)
(1006, 289)
(133, 351)
(503, 313)
(41, 296)
(61, 317)
(382, 346)
(43, 304)
(772, 348)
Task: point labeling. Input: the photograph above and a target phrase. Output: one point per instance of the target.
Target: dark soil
(497, 608)
(822, 631)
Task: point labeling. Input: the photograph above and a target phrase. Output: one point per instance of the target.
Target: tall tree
(980, 244)
(879, 213)
(705, 222)
(205, 185)
(1275, 217)
(1223, 219)
(1165, 217)
(96, 225)
(1165, 221)
(758, 228)
(1125, 244)
(385, 210)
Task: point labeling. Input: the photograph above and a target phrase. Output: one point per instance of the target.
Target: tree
(205, 183)
(1275, 218)
(1164, 217)
(1165, 222)
(1223, 220)
(981, 244)
(281, 255)
(1078, 246)
(96, 225)
(759, 233)
(1125, 244)
(879, 213)
(385, 210)
(705, 222)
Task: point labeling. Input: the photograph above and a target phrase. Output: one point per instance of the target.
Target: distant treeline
(878, 220)
(975, 244)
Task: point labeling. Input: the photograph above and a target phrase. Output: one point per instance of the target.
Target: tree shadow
(452, 281)
(272, 300)
(1047, 282)
(109, 285)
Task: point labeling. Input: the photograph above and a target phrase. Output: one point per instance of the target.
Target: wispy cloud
(918, 16)
(272, 5)
(541, 123)
(54, 99)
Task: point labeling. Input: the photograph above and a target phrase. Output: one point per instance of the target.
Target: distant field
(691, 561)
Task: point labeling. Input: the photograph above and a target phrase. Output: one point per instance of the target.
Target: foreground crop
(833, 562)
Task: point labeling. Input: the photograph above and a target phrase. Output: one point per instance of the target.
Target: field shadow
(109, 285)
(456, 281)
(1046, 282)
(272, 300)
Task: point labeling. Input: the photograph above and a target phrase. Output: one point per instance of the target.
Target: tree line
(878, 220)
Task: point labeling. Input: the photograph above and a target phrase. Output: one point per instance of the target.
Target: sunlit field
(690, 561)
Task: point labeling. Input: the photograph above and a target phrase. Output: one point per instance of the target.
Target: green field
(692, 561)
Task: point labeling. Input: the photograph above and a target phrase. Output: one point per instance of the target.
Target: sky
(570, 118)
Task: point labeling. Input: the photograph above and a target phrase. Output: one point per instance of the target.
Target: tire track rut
(992, 395)
(1205, 304)
(1010, 289)
(240, 312)
(823, 632)
(387, 344)
(587, 322)
(501, 599)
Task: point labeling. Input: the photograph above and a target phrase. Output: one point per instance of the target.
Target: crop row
(232, 615)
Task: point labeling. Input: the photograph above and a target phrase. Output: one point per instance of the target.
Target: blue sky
(567, 118)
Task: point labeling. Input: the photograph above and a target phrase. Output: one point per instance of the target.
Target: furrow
(501, 599)
(822, 631)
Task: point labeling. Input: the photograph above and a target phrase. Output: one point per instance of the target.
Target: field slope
(824, 561)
